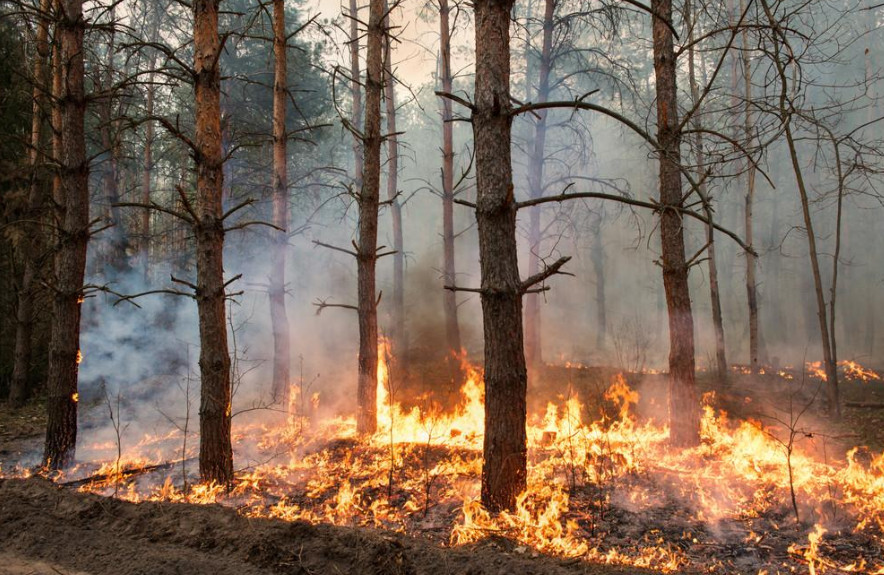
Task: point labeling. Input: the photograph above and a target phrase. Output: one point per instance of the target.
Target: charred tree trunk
(31, 244)
(73, 236)
(504, 473)
(216, 452)
(452, 327)
(366, 417)
(398, 334)
(533, 344)
(684, 413)
(278, 317)
(714, 292)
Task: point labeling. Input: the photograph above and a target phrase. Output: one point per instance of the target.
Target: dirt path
(47, 529)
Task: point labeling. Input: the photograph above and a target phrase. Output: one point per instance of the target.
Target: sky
(416, 25)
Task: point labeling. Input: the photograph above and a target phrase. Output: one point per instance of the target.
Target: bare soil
(49, 529)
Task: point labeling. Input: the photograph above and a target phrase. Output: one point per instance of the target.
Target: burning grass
(603, 486)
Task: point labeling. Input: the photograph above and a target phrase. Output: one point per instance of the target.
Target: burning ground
(770, 490)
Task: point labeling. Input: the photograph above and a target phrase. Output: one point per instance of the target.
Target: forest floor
(47, 529)
(51, 530)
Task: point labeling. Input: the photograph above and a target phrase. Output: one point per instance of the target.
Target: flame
(79, 357)
(423, 467)
(811, 553)
(850, 369)
(424, 423)
(855, 371)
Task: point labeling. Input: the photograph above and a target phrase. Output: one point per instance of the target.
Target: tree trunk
(366, 417)
(452, 327)
(73, 236)
(505, 451)
(147, 168)
(751, 259)
(398, 334)
(20, 386)
(598, 268)
(533, 342)
(216, 452)
(147, 161)
(355, 93)
(836, 257)
(684, 414)
(278, 317)
(116, 241)
(785, 118)
(715, 297)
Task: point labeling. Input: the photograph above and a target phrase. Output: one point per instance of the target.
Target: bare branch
(321, 304)
(153, 206)
(458, 99)
(543, 275)
(336, 248)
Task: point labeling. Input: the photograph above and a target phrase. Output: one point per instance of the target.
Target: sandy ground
(52, 530)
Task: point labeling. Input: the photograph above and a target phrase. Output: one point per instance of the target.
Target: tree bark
(533, 342)
(684, 417)
(216, 452)
(505, 450)
(836, 257)
(452, 327)
(398, 334)
(20, 385)
(73, 236)
(714, 294)
(598, 267)
(278, 316)
(355, 93)
(147, 161)
(147, 169)
(751, 259)
(366, 417)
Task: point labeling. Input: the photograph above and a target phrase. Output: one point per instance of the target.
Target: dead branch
(153, 206)
(183, 282)
(864, 405)
(336, 248)
(456, 289)
(651, 205)
(130, 297)
(458, 99)
(237, 207)
(546, 273)
(321, 304)
(126, 473)
(243, 225)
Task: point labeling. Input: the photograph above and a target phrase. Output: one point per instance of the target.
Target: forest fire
(851, 370)
(604, 487)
